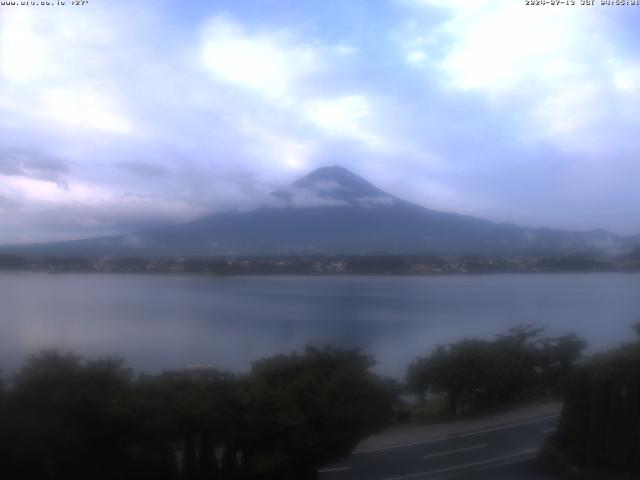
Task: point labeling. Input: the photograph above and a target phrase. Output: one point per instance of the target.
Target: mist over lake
(164, 322)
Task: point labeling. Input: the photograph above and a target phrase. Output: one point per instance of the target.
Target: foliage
(600, 423)
(68, 418)
(315, 407)
(476, 374)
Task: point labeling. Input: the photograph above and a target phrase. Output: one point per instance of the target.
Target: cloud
(281, 69)
(301, 197)
(561, 68)
(85, 107)
(496, 46)
(69, 85)
(31, 164)
(269, 63)
(144, 169)
(40, 208)
(269, 142)
(416, 57)
(346, 116)
(7, 204)
(114, 117)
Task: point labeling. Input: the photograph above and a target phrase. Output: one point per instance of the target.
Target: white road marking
(509, 461)
(461, 435)
(458, 450)
(520, 456)
(335, 469)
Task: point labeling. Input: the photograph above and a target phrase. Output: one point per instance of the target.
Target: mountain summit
(334, 186)
(332, 210)
(340, 176)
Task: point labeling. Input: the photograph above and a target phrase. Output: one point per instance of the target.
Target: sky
(119, 115)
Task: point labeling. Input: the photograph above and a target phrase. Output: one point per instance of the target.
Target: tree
(183, 417)
(477, 374)
(69, 419)
(519, 353)
(5, 453)
(559, 357)
(600, 423)
(466, 372)
(307, 409)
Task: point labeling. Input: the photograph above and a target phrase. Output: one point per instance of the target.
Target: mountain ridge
(334, 211)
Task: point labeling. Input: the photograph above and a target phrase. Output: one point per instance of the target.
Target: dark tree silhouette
(304, 410)
(476, 374)
(67, 418)
(600, 423)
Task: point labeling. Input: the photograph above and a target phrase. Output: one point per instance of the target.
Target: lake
(161, 322)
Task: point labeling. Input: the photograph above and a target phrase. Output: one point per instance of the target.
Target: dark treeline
(478, 374)
(63, 417)
(66, 418)
(369, 264)
(600, 424)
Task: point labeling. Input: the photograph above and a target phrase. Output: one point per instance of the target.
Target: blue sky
(124, 114)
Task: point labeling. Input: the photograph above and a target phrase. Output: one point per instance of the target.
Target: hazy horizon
(117, 116)
(302, 198)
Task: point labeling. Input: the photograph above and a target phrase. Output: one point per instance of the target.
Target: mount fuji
(331, 211)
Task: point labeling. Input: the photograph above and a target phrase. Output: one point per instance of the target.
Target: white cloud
(500, 45)
(504, 50)
(23, 55)
(51, 69)
(265, 142)
(42, 210)
(346, 50)
(416, 57)
(85, 108)
(626, 77)
(567, 111)
(446, 196)
(556, 65)
(349, 116)
(280, 69)
(267, 63)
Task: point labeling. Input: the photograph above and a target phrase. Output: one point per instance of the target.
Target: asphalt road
(497, 452)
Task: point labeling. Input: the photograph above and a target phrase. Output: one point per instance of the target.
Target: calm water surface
(159, 322)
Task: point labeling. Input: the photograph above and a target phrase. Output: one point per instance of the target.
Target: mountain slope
(332, 210)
